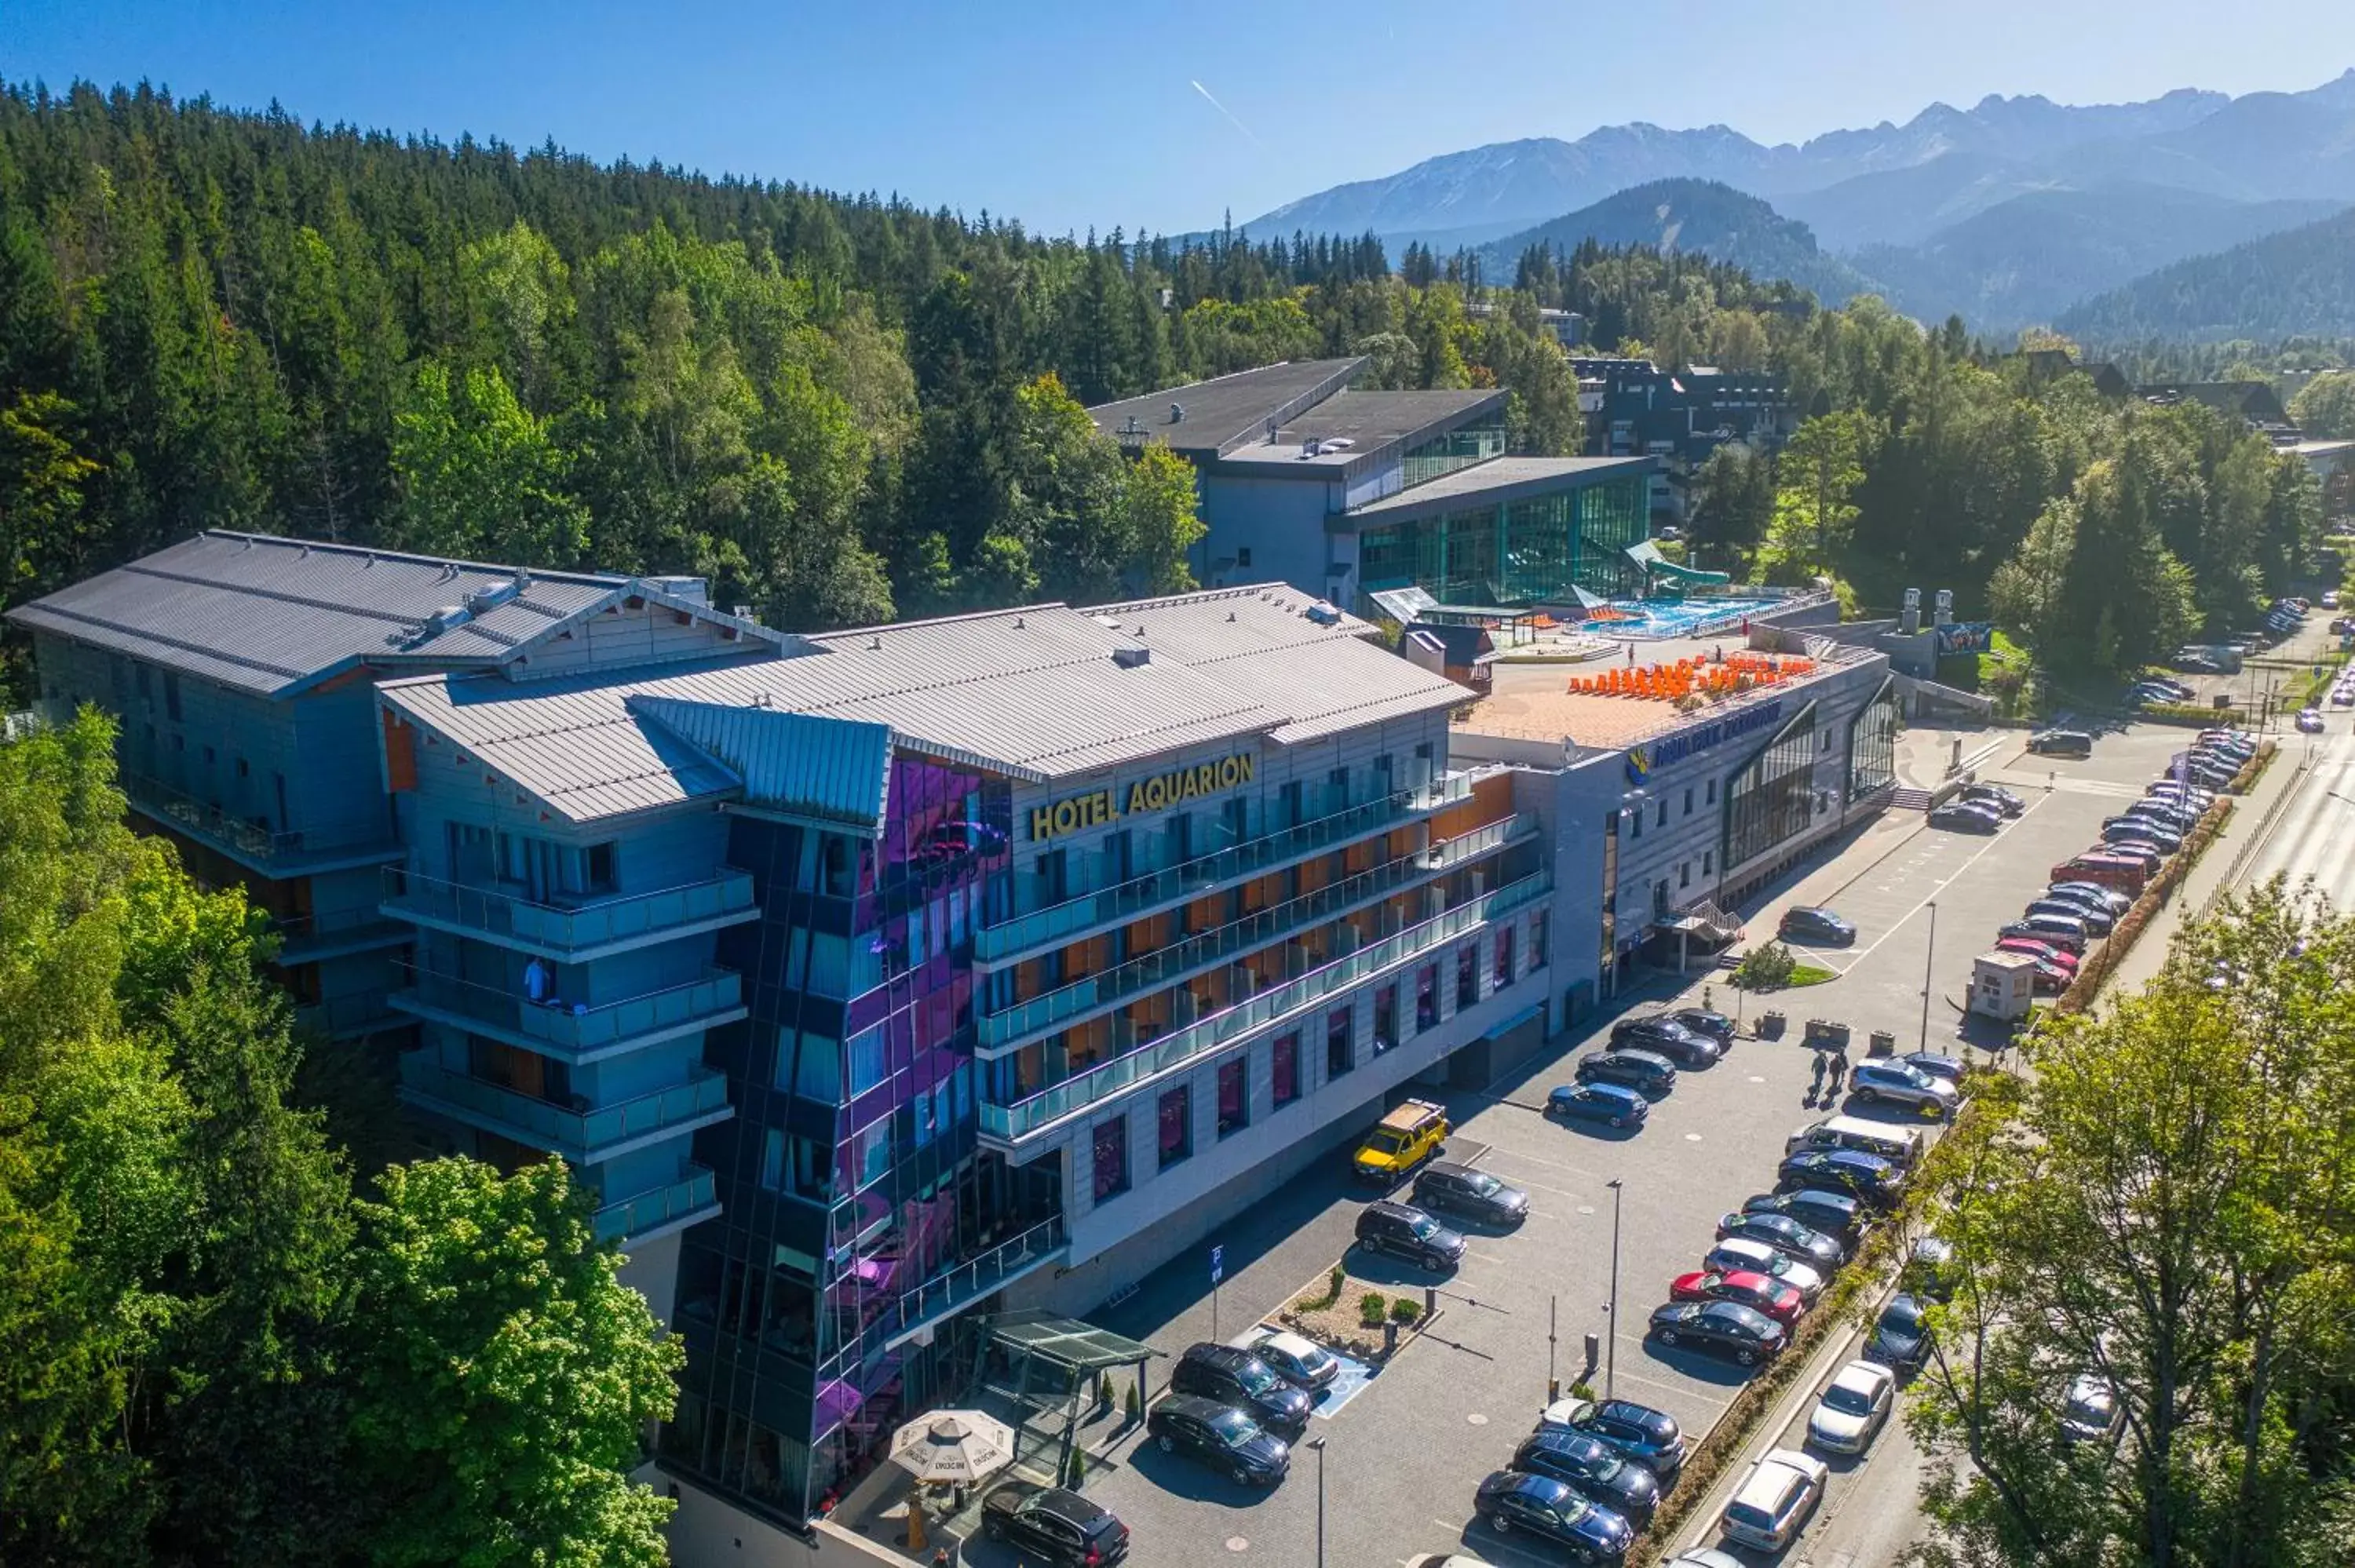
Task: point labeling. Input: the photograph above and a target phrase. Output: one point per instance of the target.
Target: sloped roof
(1034, 693)
(272, 615)
(1225, 412)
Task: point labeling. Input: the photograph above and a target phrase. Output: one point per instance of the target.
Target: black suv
(1592, 1467)
(1809, 923)
(1646, 1070)
(1229, 1376)
(1866, 1177)
(1685, 1047)
(1221, 1436)
(1405, 1231)
(1460, 1190)
(1836, 1215)
(1054, 1526)
(1701, 1020)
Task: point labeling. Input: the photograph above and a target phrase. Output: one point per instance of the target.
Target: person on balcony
(539, 985)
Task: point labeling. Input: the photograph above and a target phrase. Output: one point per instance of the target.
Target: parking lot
(1403, 1458)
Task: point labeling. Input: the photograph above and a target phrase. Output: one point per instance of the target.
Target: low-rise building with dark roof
(1676, 417)
(1343, 493)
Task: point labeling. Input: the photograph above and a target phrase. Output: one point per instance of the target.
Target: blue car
(1650, 1438)
(1615, 1104)
(1552, 1510)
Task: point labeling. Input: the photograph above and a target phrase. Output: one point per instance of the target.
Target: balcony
(1008, 1127)
(349, 1017)
(297, 852)
(1040, 1015)
(1165, 889)
(952, 1291)
(336, 934)
(578, 1031)
(583, 1135)
(571, 932)
(659, 1210)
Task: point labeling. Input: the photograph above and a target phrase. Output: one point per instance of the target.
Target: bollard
(1593, 1353)
(1430, 1302)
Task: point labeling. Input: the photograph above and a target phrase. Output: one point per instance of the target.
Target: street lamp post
(1929, 962)
(1610, 1345)
(1318, 1444)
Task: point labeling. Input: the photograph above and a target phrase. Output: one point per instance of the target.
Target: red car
(2060, 957)
(1760, 1292)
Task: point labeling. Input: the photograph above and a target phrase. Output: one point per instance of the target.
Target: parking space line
(1943, 883)
(1549, 1164)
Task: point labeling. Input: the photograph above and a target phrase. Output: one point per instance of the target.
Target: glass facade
(1773, 799)
(1533, 551)
(1872, 743)
(855, 1197)
(1459, 447)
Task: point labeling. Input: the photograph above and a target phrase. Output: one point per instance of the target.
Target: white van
(1900, 1144)
(1774, 1504)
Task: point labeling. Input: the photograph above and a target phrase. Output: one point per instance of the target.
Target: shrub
(1333, 1279)
(1584, 1389)
(1766, 967)
(1370, 1307)
(1135, 1402)
(1405, 1309)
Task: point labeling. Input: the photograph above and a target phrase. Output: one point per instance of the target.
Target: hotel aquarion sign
(1157, 793)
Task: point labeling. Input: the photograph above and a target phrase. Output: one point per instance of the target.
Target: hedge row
(2252, 771)
(2191, 714)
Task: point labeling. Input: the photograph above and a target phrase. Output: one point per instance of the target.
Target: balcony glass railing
(302, 937)
(568, 931)
(349, 1017)
(949, 1291)
(576, 1130)
(272, 854)
(1190, 956)
(1174, 884)
(625, 1219)
(1025, 1117)
(714, 997)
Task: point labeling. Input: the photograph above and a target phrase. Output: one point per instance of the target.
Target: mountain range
(2008, 212)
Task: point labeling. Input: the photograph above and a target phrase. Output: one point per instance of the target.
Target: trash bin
(1884, 1043)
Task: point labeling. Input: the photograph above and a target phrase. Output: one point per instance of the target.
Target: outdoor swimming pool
(1677, 617)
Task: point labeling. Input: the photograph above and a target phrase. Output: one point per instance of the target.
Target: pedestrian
(1839, 1069)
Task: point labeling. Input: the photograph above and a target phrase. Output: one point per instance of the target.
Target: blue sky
(1068, 115)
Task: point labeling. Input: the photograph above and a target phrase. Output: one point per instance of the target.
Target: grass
(1810, 974)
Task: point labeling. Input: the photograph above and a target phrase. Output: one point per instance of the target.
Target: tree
(2169, 1215)
(1161, 527)
(481, 478)
(1733, 498)
(1818, 471)
(498, 1324)
(2325, 407)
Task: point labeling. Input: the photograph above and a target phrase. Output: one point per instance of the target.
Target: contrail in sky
(1228, 113)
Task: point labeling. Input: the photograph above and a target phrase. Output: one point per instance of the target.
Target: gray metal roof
(270, 615)
(1034, 693)
(1370, 421)
(1227, 410)
(1498, 480)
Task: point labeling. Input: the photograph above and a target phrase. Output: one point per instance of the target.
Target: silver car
(1898, 1083)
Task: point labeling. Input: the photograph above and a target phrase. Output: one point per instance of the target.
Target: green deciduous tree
(2325, 407)
(1819, 473)
(499, 1326)
(481, 477)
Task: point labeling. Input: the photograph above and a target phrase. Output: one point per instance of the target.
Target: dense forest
(846, 408)
(2299, 282)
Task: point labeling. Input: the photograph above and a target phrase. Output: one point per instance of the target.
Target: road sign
(1218, 1264)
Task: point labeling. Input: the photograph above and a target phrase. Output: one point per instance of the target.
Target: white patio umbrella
(953, 1448)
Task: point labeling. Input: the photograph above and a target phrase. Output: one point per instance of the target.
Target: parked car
(1613, 1104)
(1664, 1036)
(1785, 1235)
(1892, 1083)
(1229, 1376)
(1545, 1507)
(2140, 852)
(1834, 1215)
(1646, 1070)
(1220, 1437)
(1649, 1437)
(1404, 1230)
(2089, 1410)
(1899, 1339)
(1930, 1272)
(2050, 977)
(1593, 1468)
(2193, 798)
(1300, 1361)
(2142, 829)
(2309, 721)
(2108, 899)
(1966, 819)
(2062, 743)
(1408, 1133)
(1721, 1328)
(2065, 932)
(1701, 1020)
(1454, 1189)
(2097, 921)
(1937, 1064)
(1853, 1408)
(1757, 1291)
(1775, 1499)
(1738, 1253)
(1866, 1177)
(2041, 947)
(1995, 795)
(1812, 923)
(1050, 1525)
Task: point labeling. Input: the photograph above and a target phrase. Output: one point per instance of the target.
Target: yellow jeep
(1408, 1135)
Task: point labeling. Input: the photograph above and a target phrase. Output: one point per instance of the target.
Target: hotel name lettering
(1157, 793)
